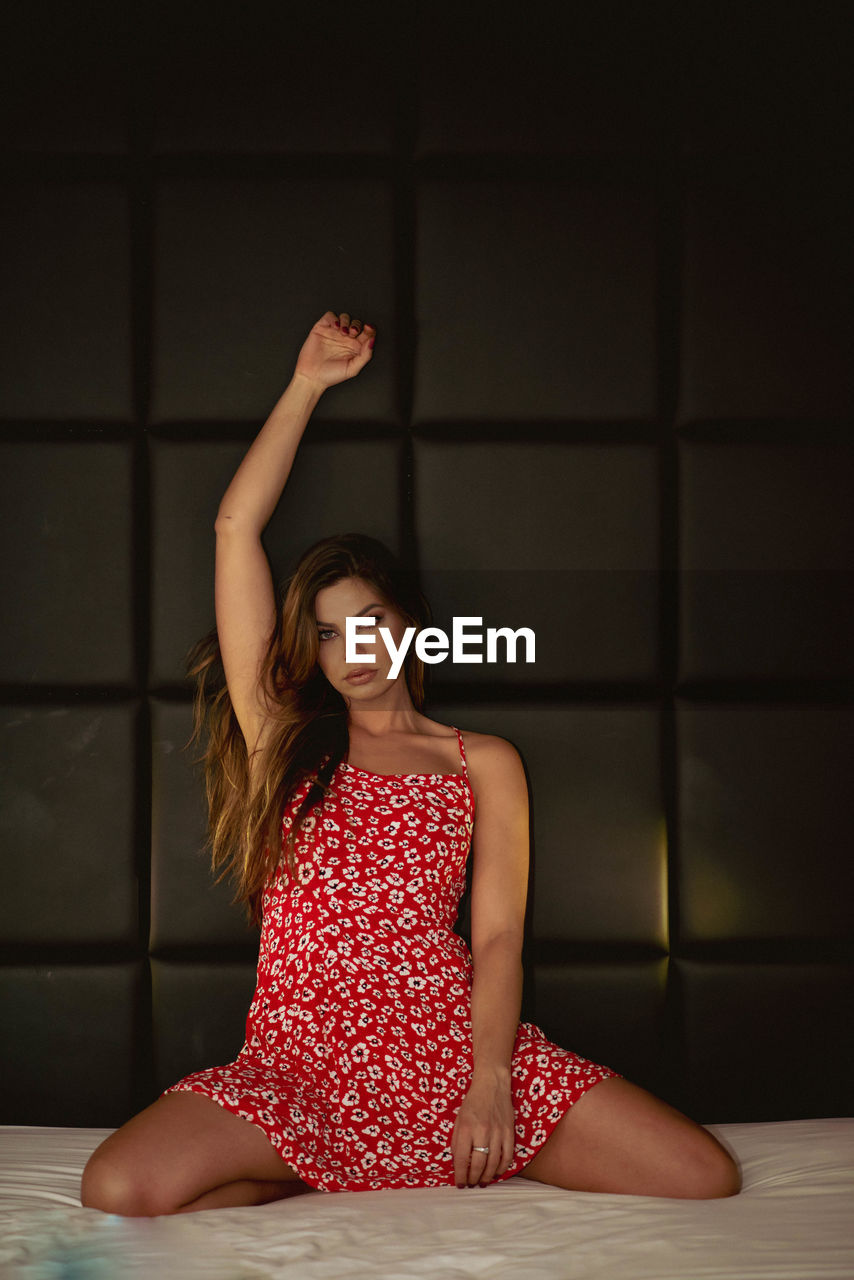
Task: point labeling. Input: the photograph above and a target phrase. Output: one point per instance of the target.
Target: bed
(794, 1220)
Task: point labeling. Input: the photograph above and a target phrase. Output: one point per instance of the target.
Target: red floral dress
(358, 1045)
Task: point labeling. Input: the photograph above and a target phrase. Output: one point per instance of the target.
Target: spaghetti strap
(462, 751)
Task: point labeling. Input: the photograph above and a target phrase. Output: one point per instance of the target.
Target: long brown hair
(307, 735)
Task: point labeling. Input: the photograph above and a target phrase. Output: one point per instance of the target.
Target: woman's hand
(485, 1119)
(336, 349)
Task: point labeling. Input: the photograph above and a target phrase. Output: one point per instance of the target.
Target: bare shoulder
(493, 762)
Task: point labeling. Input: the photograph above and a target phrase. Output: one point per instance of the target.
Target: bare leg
(185, 1151)
(619, 1138)
(247, 1191)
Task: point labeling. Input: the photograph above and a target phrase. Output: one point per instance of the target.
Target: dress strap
(462, 751)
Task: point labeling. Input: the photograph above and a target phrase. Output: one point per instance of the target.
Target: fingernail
(371, 343)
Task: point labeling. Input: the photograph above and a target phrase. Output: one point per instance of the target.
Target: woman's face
(353, 597)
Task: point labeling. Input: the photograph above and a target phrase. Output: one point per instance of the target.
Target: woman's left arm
(499, 892)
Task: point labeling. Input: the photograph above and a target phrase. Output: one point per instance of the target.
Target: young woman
(380, 1052)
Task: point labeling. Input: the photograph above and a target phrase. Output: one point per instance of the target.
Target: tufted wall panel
(608, 254)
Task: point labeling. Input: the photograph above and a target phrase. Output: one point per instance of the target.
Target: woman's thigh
(181, 1146)
(618, 1137)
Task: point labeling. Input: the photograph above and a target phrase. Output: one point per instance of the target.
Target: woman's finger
(358, 361)
(351, 327)
(461, 1150)
(460, 1161)
(508, 1149)
(477, 1164)
(493, 1160)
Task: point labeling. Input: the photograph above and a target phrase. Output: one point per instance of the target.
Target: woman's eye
(329, 633)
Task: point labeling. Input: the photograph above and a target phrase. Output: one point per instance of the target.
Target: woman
(379, 1051)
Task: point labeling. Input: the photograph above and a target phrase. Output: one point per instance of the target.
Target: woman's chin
(374, 687)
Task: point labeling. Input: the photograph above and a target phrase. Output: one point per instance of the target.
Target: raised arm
(245, 599)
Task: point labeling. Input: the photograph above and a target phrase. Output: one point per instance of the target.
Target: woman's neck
(380, 722)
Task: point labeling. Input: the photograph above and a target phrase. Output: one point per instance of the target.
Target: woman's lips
(361, 677)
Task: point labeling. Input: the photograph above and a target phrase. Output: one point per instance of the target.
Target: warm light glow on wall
(718, 907)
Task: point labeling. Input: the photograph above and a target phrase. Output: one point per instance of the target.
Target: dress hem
(603, 1073)
(606, 1073)
(180, 1087)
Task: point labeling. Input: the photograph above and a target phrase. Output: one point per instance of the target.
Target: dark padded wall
(608, 253)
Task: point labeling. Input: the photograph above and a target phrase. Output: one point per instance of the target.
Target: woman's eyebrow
(360, 614)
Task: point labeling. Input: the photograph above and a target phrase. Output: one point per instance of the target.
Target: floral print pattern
(358, 1046)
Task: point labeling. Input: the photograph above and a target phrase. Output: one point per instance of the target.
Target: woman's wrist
(311, 383)
(497, 1071)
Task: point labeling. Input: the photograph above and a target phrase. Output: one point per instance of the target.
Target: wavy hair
(307, 734)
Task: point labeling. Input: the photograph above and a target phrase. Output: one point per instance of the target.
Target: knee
(711, 1174)
(109, 1186)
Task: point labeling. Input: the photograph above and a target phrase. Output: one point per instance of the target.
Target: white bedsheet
(794, 1220)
